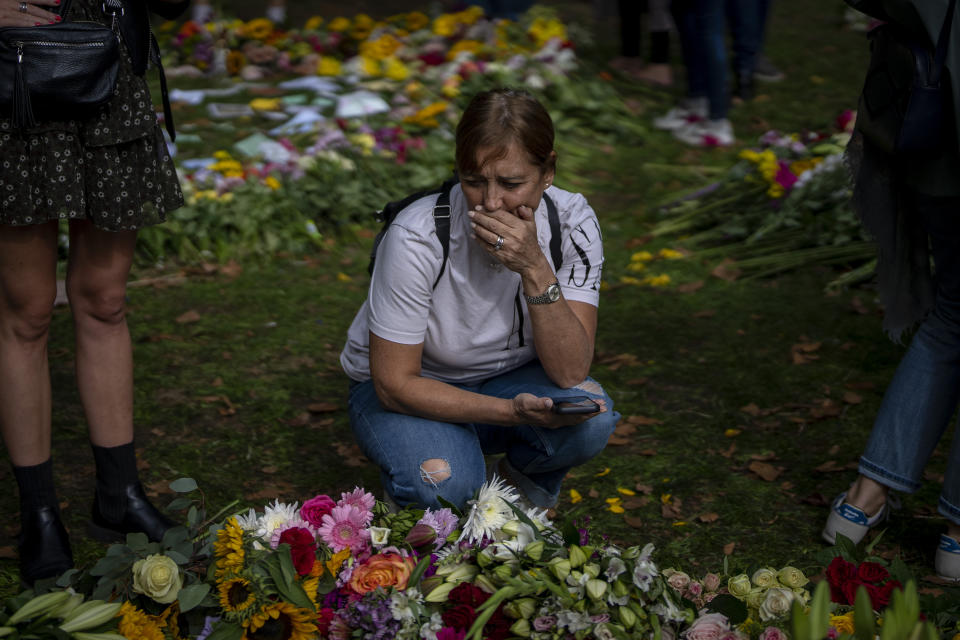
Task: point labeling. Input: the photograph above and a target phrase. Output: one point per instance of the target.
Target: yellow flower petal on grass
(615, 508)
(575, 496)
(614, 500)
(626, 492)
(665, 498)
(731, 432)
(342, 277)
(605, 471)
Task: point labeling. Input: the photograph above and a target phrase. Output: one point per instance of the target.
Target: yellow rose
(157, 577)
(764, 578)
(792, 578)
(739, 585)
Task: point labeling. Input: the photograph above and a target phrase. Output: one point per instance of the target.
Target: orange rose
(381, 570)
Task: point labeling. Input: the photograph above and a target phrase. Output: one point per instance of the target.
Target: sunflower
(236, 595)
(280, 620)
(236, 61)
(228, 549)
(137, 625)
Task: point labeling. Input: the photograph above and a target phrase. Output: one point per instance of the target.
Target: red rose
(466, 593)
(883, 594)
(460, 616)
(840, 572)
(849, 591)
(324, 617)
(872, 572)
(498, 627)
(315, 508)
(303, 548)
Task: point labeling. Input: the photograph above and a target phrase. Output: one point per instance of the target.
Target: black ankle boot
(44, 545)
(119, 504)
(137, 514)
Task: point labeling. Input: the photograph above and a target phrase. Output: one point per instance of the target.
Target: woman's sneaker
(706, 133)
(685, 113)
(947, 560)
(851, 521)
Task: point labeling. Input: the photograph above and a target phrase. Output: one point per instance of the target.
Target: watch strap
(544, 298)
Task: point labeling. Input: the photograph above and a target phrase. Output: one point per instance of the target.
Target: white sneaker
(851, 521)
(947, 560)
(706, 133)
(682, 115)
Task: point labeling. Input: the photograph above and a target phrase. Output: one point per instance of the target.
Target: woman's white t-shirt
(475, 323)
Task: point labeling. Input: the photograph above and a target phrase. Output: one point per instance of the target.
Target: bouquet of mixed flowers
(783, 204)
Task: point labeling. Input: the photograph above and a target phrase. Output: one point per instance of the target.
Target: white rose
(158, 577)
(776, 604)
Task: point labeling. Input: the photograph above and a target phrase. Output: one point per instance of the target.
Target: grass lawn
(745, 403)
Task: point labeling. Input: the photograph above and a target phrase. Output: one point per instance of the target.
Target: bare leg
(28, 287)
(96, 286)
(868, 495)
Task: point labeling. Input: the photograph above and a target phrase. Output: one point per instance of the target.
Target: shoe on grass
(765, 71)
(706, 133)
(947, 560)
(853, 522)
(683, 114)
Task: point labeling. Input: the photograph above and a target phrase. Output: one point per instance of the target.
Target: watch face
(553, 292)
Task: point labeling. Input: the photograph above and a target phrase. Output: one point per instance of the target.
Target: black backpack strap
(555, 238)
(441, 218)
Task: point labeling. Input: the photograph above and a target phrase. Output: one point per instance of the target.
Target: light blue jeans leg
(539, 458)
(400, 444)
(925, 389)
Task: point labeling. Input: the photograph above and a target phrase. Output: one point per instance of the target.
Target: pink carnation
(773, 633)
(345, 527)
(709, 626)
(315, 508)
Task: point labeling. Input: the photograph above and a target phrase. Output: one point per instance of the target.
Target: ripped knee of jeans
(590, 387)
(434, 471)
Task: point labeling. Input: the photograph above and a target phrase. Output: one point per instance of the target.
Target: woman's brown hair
(496, 119)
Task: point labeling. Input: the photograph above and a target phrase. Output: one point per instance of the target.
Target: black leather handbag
(905, 105)
(57, 71)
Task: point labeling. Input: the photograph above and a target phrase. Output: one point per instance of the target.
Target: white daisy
(489, 511)
(248, 522)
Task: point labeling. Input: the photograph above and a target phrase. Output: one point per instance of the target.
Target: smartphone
(575, 404)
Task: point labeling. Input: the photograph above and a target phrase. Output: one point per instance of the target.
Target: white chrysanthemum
(275, 515)
(489, 511)
(248, 522)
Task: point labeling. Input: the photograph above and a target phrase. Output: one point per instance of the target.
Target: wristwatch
(552, 294)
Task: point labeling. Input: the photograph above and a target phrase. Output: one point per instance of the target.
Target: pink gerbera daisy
(345, 527)
(361, 500)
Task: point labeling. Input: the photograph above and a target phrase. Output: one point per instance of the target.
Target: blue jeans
(925, 389)
(747, 19)
(537, 459)
(700, 25)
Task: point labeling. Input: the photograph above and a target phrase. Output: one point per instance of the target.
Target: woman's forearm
(564, 344)
(435, 400)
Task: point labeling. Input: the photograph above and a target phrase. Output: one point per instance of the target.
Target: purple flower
(442, 521)
(208, 623)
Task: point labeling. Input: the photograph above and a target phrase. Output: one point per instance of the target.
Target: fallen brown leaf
(852, 398)
(269, 469)
(826, 409)
(670, 511)
(8, 553)
(642, 420)
(617, 440)
(645, 489)
(323, 407)
(766, 456)
(633, 521)
(860, 386)
(726, 270)
(708, 517)
(815, 499)
(647, 452)
(828, 466)
(593, 493)
(765, 470)
(858, 306)
(232, 269)
(635, 502)
(690, 287)
(728, 548)
(625, 428)
(637, 382)
(188, 317)
(728, 453)
(705, 313)
(350, 454)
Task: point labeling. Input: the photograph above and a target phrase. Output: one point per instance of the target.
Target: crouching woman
(459, 356)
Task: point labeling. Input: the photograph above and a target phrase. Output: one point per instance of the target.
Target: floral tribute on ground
(347, 567)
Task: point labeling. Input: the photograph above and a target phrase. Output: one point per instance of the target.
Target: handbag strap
(942, 43)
